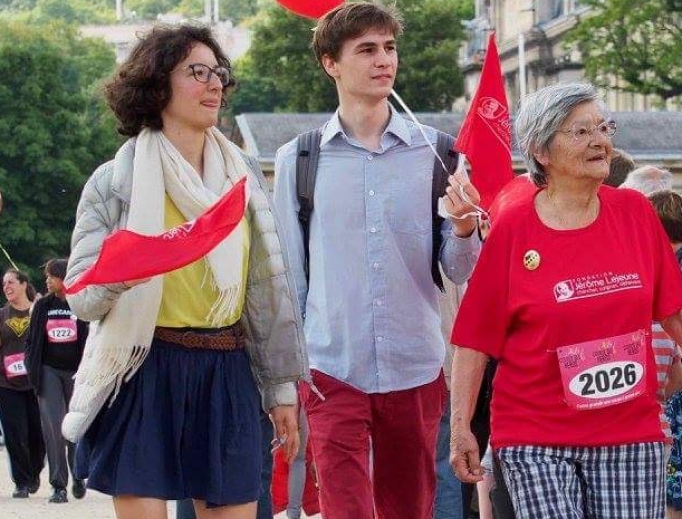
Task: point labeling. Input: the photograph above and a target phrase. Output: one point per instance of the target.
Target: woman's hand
(464, 456)
(285, 420)
(467, 374)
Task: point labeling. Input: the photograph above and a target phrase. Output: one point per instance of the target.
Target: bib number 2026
(603, 372)
(607, 380)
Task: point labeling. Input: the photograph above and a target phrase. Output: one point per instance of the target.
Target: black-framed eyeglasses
(203, 73)
(581, 133)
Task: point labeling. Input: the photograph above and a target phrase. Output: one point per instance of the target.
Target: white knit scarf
(121, 340)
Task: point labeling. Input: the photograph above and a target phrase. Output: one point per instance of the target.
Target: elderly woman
(181, 355)
(564, 294)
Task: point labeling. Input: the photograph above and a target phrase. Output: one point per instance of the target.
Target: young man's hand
(460, 198)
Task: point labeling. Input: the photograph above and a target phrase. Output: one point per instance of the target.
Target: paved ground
(93, 506)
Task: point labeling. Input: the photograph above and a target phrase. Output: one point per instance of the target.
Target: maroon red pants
(397, 479)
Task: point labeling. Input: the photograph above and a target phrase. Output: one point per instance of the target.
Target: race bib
(14, 365)
(61, 330)
(604, 372)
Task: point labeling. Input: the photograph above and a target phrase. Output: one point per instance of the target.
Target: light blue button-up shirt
(371, 308)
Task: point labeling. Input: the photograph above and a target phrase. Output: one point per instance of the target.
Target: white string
(479, 211)
(419, 125)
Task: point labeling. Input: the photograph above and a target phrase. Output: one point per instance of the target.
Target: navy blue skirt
(185, 426)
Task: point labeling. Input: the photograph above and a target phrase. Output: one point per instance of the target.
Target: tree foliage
(638, 42)
(280, 73)
(103, 11)
(73, 11)
(53, 132)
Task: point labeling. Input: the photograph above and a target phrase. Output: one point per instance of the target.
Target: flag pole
(14, 265)
(522, 67)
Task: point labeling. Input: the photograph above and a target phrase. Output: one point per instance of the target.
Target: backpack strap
(307, 154)
(445, 149)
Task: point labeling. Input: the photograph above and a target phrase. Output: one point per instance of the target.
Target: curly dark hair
(141, 88)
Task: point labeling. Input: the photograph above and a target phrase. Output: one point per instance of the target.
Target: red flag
(127, 255)
(485, 135)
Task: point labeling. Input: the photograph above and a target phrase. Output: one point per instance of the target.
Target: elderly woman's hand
(457, 204)
(464, 456)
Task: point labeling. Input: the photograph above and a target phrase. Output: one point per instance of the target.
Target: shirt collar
(396, 126)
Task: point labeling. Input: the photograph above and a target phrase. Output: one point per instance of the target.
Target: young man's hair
(621, 164)
(351, 20)
(141, 87)
(668, 205)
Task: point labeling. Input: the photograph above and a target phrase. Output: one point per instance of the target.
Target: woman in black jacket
(53, 351)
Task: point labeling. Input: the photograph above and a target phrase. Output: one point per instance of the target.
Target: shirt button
(373, 230)
(370, 157)
(371, 192)
(379, 302)
(375, 266)
(380, 338)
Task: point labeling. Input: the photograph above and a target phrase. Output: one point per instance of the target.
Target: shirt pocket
(410, 204)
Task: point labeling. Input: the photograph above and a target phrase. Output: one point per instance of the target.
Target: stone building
(543, 25)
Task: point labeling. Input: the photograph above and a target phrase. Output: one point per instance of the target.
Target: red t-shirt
(613, 277)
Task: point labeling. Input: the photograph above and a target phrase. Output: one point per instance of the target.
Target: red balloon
(310, 8)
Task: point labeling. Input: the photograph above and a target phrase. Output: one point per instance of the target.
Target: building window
(550, 9)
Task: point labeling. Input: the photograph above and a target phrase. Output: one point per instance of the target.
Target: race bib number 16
(604, 372)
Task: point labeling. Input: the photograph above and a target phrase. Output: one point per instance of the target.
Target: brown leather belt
(228, 338)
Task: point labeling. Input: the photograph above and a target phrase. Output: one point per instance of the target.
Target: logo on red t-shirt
(563, 290)
(594, 285)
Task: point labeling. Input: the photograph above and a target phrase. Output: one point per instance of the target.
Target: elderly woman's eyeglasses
(203, 73)
(582, 133)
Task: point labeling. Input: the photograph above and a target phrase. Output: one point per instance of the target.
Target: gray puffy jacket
(271, 316)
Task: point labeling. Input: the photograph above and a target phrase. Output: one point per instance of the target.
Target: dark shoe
(20, 492)
(58, 496)
(78, 489)
(33, 487)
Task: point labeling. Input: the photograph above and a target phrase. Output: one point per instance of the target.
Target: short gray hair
(541, 115)
(649, 179)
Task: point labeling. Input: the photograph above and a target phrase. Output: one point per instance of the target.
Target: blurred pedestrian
(53, 352)
(648, 179)
(621, 164)
(19, 411)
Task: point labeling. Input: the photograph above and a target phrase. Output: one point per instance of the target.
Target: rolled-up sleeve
(458, 256)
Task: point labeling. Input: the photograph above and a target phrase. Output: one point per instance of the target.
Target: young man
(372, 322)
